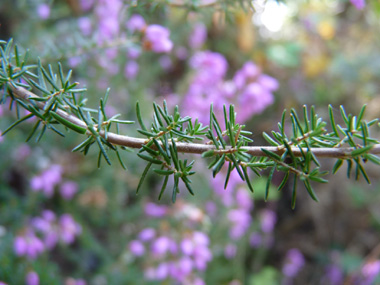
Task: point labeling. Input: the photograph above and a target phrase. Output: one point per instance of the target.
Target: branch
(196, 148)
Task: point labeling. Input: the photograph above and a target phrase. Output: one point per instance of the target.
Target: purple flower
(22, 152)
(147, 234)
(137, 248)
(133, 52)
(162, 271)
(86, 4)
(161, 245)
(359, 4)
(230, 251)
(157, 39)
(28, 245)
(131, 69)
(136, 23)
(68, 190)
(47, 180)
(107, 13)
(267, 220)
(165, 62)
(241, 220)
(198, 36)
(370, 271)
(334, 275)
(187, 246)
(32, 278)
(85, 25)
(210, 66)
(294, 263)
(43, 11)
(154, 210)
(69, 229)
(255, 240)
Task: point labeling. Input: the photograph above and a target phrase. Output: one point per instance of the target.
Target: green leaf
(267, 186)
(294, 192)
(67, 123)
(16, 123)
(163, 187)
(102, 150)
(283, 182)
(360, 151)
(218, 165)
(247, 180)
(149, 159)
(143, 175)
(139, 118)
(163, 172)
(209, 153)
(332, 121)
(270, 140)
(310, 190)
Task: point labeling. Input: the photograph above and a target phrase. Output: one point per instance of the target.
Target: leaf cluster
(61, 105)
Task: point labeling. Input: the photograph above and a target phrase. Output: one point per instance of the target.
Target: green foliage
(62, 104)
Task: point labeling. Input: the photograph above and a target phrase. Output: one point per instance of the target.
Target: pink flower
(131, 69)
(136, 23)
(198, 36)
(32, 278)
(154, 210)
(85, 25)
(28, 245)
(69, 229)
(47, 180)
(157, 39)
(43, 11)
(137, 248)
(359, 4)
(68, 190)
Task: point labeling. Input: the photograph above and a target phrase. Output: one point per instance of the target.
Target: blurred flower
(133, 52)
(294, 261)
(43, 11)
(86, 4)
(28, 245)
(68, 190)
(85, 25)
(267, 220)
(137, 248)
(32, 278)
(74, 61)
(241, 220)
(210, 66)
(47, 180)
(147, 234)
(136, 23)
(255, 240)
(154, 210)
(131, 69)
(157, 39)
(198, 36)
(359, 4)
(22, 152)
(334, 275)
(230, 251)
(69, 229)
(107, 13)
(181, 53)
(161, 245)
(370, 271)
(165, 62)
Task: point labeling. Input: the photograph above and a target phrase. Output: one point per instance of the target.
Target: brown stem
(133, 142)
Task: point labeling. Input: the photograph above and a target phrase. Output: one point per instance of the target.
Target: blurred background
(64, 221)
